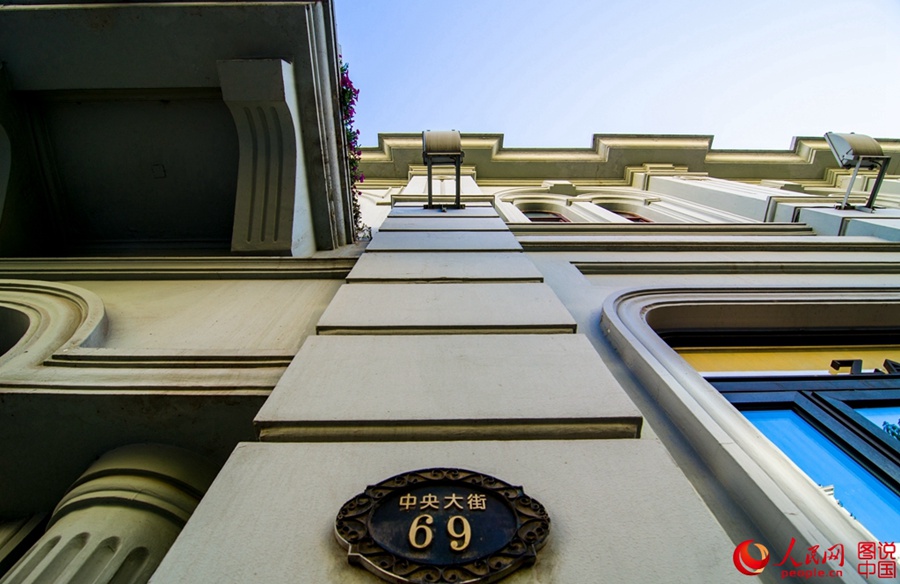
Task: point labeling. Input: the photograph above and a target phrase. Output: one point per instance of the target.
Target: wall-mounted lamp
(442, 148)
(858, 151)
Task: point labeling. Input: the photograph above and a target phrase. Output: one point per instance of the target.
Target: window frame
(827, 402)
(782, 501)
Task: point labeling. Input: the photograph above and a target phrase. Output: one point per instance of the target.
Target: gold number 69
(418, 527)
(465, 535)
(460, 536)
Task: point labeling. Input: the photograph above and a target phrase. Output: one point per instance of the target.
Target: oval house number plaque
(442, 525)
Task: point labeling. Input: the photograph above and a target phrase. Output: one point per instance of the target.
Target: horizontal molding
(154, 382)
(703, 243)
(202, 268)
(95, 370)
(450, 329)
(444, 430)
(662, 228)
(448, 280)
(180, 360)
(749, 267)
(162, 392)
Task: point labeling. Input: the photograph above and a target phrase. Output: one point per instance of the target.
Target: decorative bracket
(272, 213)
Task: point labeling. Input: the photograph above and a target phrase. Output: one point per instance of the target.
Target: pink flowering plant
(349, 95)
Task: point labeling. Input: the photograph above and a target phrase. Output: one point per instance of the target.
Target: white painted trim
(775, 493)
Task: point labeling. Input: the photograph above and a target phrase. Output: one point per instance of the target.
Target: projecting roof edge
(390, 145)
(808, 157)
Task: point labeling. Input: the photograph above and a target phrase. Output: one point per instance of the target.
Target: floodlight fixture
(442, 148)
(858, 151)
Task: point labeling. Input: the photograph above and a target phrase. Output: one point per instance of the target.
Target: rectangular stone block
(885, 228)
(447, 387)
(444, 267)
(620, 511)
(444, 241)
(443, 224)
(445, 308)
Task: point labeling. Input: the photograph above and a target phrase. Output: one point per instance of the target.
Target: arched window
(604, 205)
(639, 206)
(528, 205)
(767, 423)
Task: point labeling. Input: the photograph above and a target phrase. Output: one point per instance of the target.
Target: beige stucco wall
(239, 315)
(831, 274)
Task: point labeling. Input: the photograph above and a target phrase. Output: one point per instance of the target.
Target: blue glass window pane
(864, 496)
(880, 415)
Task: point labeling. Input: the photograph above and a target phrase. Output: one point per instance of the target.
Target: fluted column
(119, 518)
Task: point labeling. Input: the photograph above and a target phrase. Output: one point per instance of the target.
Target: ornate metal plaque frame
(359, 534)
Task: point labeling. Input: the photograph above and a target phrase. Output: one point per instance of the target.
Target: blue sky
(553, 73)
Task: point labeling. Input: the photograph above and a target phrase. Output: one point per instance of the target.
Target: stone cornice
(606, 161)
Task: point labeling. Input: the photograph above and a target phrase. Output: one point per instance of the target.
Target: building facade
(676, 350)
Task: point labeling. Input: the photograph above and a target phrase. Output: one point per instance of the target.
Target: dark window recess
(633, 217)
(774, 337)
(545, 217)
